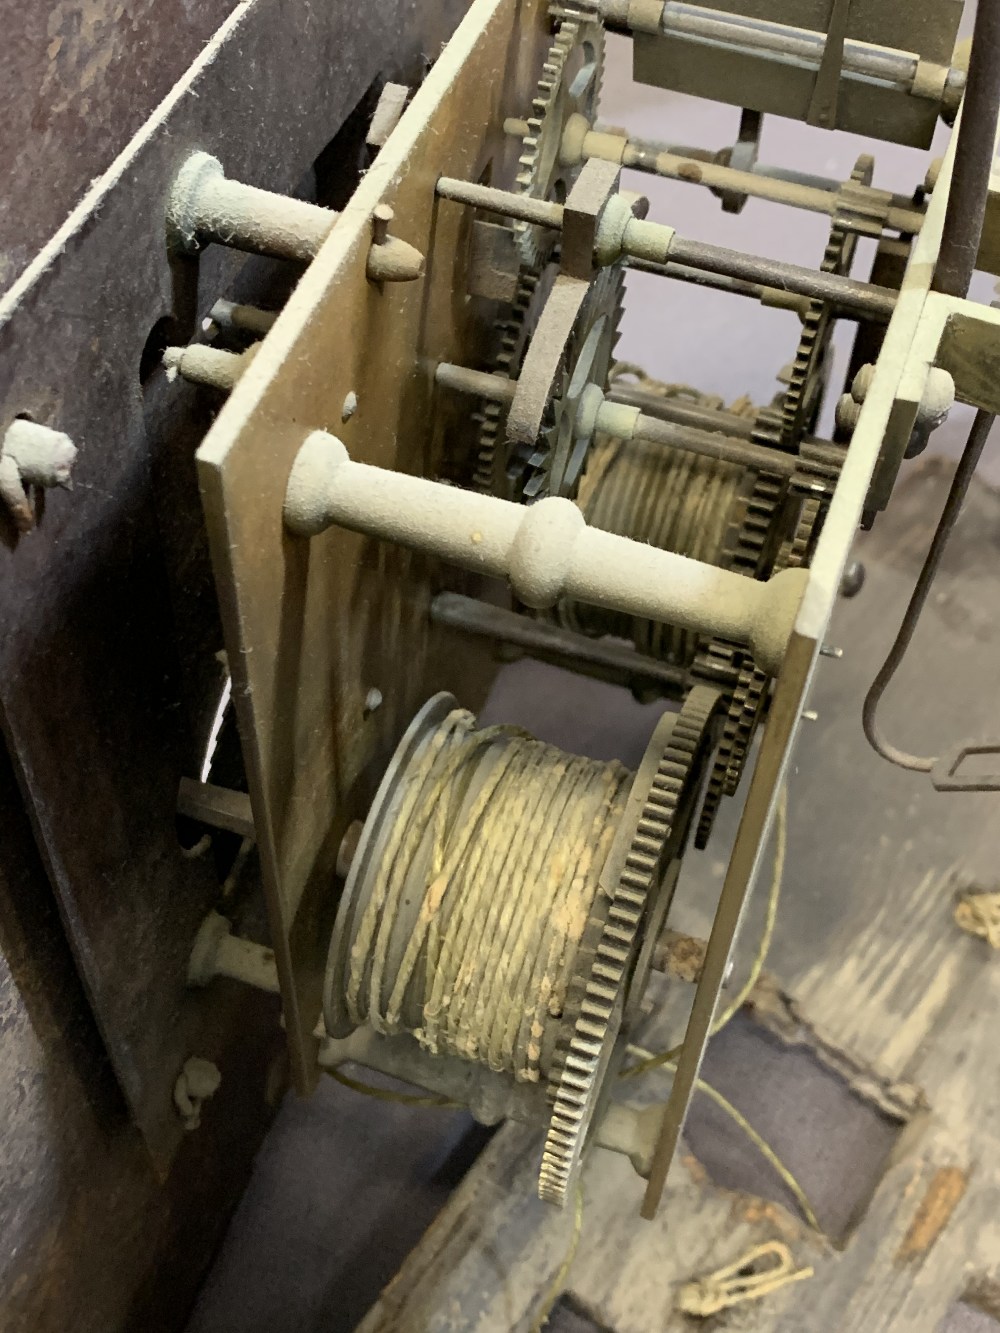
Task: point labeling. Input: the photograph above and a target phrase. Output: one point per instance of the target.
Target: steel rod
(773, 297)
(723, 448)
(656, 244)
(243, 318)
(772, 189)
(719, 282)
(680, 411)
(553, 642)
(735, 431)
(963, 223)
(793, 175)
(537, 211)
(864, 298)
(786, 42)
(479, 383)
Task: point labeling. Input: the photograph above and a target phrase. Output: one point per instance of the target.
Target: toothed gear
(753, 554)
(759, 550)
(570, 83)
(594, 1012)
(750, 547)
(751, 688)
(554, 463)
(750, 693)
(514, 330)
(802, 397)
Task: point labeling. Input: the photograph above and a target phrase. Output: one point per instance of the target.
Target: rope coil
(673, 500)
(486, 880)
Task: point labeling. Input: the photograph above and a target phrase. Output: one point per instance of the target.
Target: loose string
(742, 1280)
(558, 1284)
(667, 1059)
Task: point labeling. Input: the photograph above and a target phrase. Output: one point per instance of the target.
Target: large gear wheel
(759, 549)
(514, 329)
(546, 444)
(570, 84)
(751, 692)
(654, 831)
(802, 398)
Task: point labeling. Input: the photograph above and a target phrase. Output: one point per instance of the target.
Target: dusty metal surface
(803, 70)
(926, 28)
(77, 80)
(108, 677)
(311, 627)
(90, 1236)
(291, 616)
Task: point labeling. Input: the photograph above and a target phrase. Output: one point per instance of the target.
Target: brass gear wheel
(570, 83)
(759, 550)
(653, 833)
(514, 330)
(546, 450)
(802, 397)
(751, 692)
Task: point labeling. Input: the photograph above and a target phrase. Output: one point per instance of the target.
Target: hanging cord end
(763, 1270)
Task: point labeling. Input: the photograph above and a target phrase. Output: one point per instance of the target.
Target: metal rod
(773, 297)
(680, 411)
(538, 211)
(654, 243)
(720, 424)
(784, 41)
(963, 223)
(552, 642)
(794, 194)
(864, 298)
(706, 444)
(793, 175)
(813, 181)
(479, 383)
(244, 318)
(769, 296)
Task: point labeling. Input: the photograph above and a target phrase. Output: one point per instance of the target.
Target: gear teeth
(802, 394)
(550, 108)
(750, 695)
(583, 1060)
(605, 299)
(513, 332)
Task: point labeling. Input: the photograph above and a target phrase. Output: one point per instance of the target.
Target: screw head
(853, 579)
